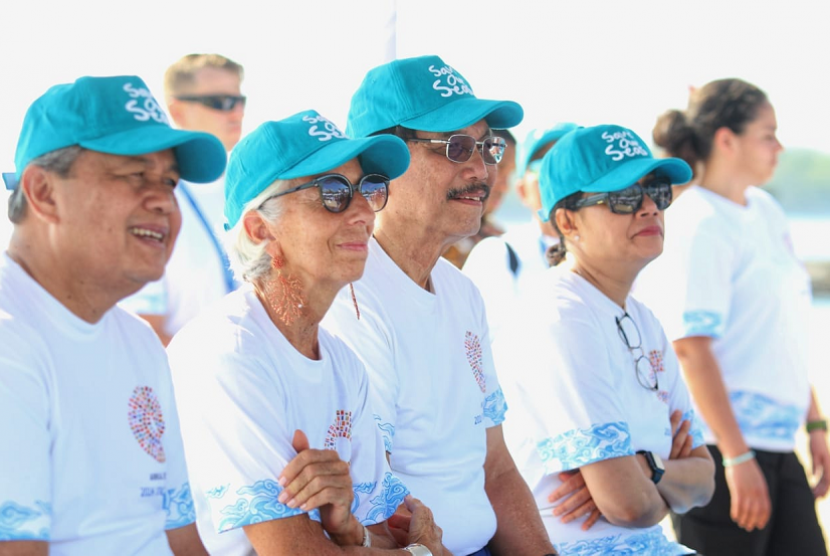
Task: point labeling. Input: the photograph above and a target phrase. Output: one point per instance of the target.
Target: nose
(475, 168)
(648, 208)
(359, 211)
(159, 197)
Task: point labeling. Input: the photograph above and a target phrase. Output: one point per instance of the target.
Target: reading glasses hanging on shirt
(630, 335)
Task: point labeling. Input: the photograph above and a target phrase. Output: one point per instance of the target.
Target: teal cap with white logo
(112, 115)
(305, 144)
(537, 140)
(601, 159)
(426, 94)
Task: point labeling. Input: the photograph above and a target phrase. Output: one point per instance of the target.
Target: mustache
(466, 190)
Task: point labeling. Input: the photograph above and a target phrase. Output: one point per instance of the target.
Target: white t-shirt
(197, 274)
(577, 399)
(728, 271)
(433, 386)
(488, 266)
(243, 390)
(93, 460)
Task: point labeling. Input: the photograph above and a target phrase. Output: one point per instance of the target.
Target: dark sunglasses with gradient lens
(630, 199)
(222, 103)
(460, 148)
(336, 191)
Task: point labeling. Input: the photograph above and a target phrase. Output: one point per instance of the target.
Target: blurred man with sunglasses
(202, 92)
(422, 331)
(93, 461)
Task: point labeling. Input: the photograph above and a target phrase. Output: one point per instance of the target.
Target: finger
(335, 489)
(399, 521)
(326, 496)
(674, 419)
(687, 447)
(584, 509)
(573, 503)
(401, 536)
(595, 515)
(305, 459)
(570, 483)
(820, 490)
(411, 502)
(300, 441)
(332, 472)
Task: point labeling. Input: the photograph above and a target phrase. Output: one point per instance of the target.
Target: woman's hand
(821, 462)
(320, 479)
(681, 446)
(751, 506)
(417, 527)
(580, 502)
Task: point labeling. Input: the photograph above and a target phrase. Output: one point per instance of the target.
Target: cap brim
(382, 154)
(630, 173)
(548, 137)
(11, 181)
(200, 156)
(464, 112)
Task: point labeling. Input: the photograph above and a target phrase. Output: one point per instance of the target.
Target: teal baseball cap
(601, 159)
(426, 94)
(304, 144)
(112, 115)
(538, 139)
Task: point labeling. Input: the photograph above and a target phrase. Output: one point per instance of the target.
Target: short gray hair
(249, 261)
(59, 161)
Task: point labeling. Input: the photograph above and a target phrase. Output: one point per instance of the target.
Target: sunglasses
(630, 199)
(460, 148)
(223, 103)
(336, 191)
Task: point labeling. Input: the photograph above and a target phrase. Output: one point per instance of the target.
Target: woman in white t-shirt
(594, 384)
(735, 301)
(259, 383)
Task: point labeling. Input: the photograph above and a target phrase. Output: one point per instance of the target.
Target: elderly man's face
(443, 198)
(117, 217)
(227, 126)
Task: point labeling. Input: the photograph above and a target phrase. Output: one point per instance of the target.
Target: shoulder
(765, 202)
(446, 275)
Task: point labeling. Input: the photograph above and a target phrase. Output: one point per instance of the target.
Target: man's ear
(177, 111)
(565, 221)
(38, 185)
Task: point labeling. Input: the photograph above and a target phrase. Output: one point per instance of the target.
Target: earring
(354, 300)
(576, 237)
(284, 294)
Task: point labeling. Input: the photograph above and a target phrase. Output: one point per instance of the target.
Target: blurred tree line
(802, 182)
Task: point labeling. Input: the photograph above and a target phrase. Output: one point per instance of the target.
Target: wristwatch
(418, 550)
(655, 463)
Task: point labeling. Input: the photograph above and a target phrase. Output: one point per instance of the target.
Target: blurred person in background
(501, 266)
(506, 173)
(203, 93)
(93, 462)
(257, 380)
(603, 428)
(735, 301)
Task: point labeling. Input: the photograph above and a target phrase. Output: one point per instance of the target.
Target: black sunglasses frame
(317, 182)
(659, 190)
(493, 139)
(222, 103)
(632, 350)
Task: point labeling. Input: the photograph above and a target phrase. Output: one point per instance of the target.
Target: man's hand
(580, 502)
(751, 506)
(417, 527)
(681, 446)
(821, 462)
(320, 479)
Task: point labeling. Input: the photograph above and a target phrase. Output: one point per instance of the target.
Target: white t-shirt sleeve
(701, 282)
(152, 299)
(679, 398)
(25, 467)
(243, 444)
(579, 416)
(377, 491)
(178, 500)
(372, 342)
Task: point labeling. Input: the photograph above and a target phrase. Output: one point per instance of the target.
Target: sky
(590, 62)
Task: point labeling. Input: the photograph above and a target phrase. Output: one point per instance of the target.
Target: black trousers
(793, 528)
